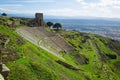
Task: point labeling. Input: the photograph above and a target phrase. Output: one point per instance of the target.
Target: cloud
(8, 10)
(35, 1)
(11, 5)
(66, 12)
(101, 3)
(101, 8)
(79, 0)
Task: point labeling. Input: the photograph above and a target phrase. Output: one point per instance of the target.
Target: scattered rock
(9, 55)
(19, 41)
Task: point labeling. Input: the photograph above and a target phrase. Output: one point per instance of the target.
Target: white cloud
(102, 8)
(101, 3)
(10, 5)
(35, 1)
(79, 0)
(8, 10)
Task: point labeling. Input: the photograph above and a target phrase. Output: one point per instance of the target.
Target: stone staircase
(62, 43)
(58, 40)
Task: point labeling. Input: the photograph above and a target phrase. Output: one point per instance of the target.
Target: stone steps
(62, 43)
(45, 39)
(58, 40)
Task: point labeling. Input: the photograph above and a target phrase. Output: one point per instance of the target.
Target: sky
(68, 8)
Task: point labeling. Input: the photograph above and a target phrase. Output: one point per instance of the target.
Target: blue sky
(68, 8)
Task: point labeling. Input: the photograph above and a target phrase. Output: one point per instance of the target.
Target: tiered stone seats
(49, 34)
(62, 43)
(38, 37)
(44, 39)
(58, 40)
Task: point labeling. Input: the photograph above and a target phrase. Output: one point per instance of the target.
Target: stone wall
(37, 21)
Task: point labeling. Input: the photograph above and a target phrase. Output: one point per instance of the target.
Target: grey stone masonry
(39, 19)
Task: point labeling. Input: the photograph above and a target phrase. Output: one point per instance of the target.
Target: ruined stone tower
(39, 19)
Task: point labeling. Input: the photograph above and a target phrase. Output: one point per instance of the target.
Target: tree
(57, 26)
(49, 24)
(4, 14)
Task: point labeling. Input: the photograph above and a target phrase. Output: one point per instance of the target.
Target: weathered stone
(1, 77)
(37, 22)
(39, 19)
(5, 71)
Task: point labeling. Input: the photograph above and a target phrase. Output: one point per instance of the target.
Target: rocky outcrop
(4, 71)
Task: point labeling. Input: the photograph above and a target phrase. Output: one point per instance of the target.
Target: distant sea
(107, 28)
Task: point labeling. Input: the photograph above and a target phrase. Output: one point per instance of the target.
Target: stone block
(5, 71)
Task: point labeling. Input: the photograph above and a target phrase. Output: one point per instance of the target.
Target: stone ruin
(4, 70)
(38, 21)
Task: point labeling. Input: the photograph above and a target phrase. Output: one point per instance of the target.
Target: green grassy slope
(103, 53)
(34, 63)
(96, 57)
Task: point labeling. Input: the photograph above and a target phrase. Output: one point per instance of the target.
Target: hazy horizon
(64, 8)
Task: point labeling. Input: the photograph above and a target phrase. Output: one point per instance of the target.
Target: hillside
(94, 57)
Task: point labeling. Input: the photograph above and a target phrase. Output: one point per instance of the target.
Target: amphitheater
(49, 41)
